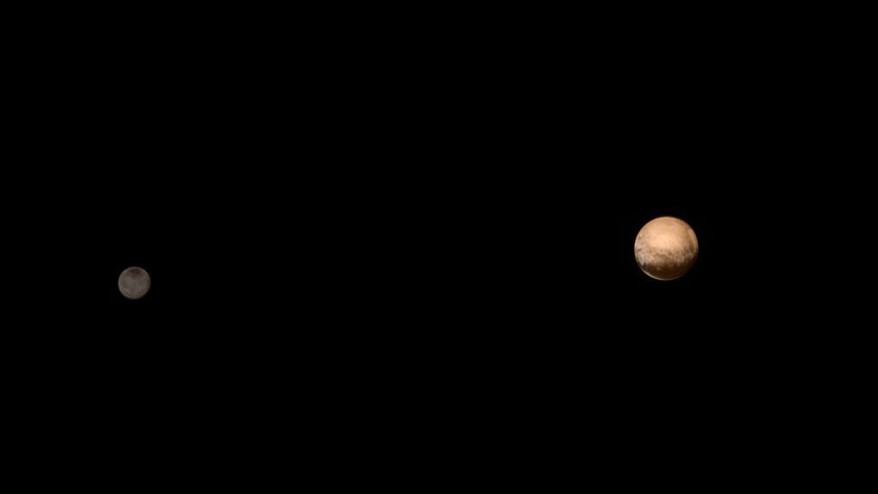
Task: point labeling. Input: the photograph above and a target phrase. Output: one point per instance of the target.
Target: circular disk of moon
(134, 282)
(666, 248)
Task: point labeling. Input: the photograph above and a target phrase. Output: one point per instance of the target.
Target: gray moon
(666, 248)
(134, 282)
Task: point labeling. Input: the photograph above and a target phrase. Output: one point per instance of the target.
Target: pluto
(666, 248)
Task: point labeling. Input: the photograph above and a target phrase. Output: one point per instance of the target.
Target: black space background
(413, 230)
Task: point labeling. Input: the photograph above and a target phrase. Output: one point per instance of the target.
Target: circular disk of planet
(666, 248)
(134, 283)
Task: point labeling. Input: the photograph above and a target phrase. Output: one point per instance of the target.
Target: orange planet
(666, 248)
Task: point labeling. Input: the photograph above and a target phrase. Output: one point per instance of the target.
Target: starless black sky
(465, 195)
(222, 161)
(428, 227)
